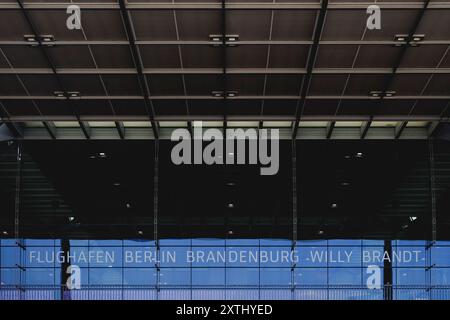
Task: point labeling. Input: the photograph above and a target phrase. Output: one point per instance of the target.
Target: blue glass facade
(227, 269)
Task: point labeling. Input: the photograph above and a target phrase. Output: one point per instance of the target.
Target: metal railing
(103, 292)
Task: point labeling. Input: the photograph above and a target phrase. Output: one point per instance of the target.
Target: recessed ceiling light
(231, 154)
(230, 205)
(359, 154)
(116, 184)
(5, 233)
(345, 184)
(230, 232)
(412, 219)
(230, 184)
(347, 157)
(140, 232)
(71, 218)
(334, 205)
(128, 205)
(405, 226)
(321, 232)
(102, 154)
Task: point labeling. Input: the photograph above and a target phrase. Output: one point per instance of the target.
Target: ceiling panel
(336, 56)
(93, 107)
(327, 84)
(358, 107)
(246, 84)
(288, 56)
(13, 25)
(112, 56)
(122, 85)
(362, 84)
(165, 84)
(10, 85)
(244, 107)
(170, 107)
(20, 107)
(293, 25)
(71, 57)
(86, 84)
(279, 107)
(394, 107)
(439, 85)
(314, 107)
(206, 107)
(283, 84)
(198, 24)
(55, 107)
(40, 85)
(435, 24)
(247, 56)
(160, 56)
(344, 25)
(430, 107)
(249, 25)
(25, 57)
(427, 56)
(409, 84)
(377, 56)
(154, 24)
(204, 84)
(201, 56)
(129, 107)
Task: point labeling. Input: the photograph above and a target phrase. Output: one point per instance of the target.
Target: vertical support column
(432, 192)
(19, 242)
(65, 250)
(294, 212)
(387, 272)
(155, 217)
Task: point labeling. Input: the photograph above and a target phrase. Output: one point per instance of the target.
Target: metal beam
(330, 127)
(209, 97)
(217, 5)
(120, 129)
(219, 117)
(365, 128)
(139, 66)
(51, 128)
(399, 128)
(432, 128)
(85, 128)
(119, 71)
(310, 65)
(207, 42)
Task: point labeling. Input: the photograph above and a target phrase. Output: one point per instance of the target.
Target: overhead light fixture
(128, 205)
(230, 205)
(400, 39)
(230, 184)
(232, 94)
(31, 39)
(320, 232)
(217, 94)
(347, 157)
(59, 94)
(71, 218)
(231, 154)
(102, 155)
(334, 205)
(416, 39)
(92, 157)
(345, 184)
(74, 95)
(390, 93)
(116, 184)
(230, 232)
(215, 40)
(405, 226)
(140, 232)
(412, 219)
(232, 40)
(359, 154)
(375, 94)
(5, 233)
(47, 40)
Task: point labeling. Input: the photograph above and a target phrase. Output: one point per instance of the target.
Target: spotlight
(116, 184)
(334, 205)
(390, 93)
(230, 184)
(412, 219)
(128, 205)
(5, 233)
(405, 226)
(102, 155)
(71, 218)
(320, 232)
(140, 232)
(359, 154)
(230, 205)
(230, 232)
(345, 184)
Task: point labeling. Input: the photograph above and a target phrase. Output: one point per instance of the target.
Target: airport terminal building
(224, 149)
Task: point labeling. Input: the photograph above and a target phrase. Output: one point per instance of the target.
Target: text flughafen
(242, 256)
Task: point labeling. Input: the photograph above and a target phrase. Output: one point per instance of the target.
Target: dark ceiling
(154, 61)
